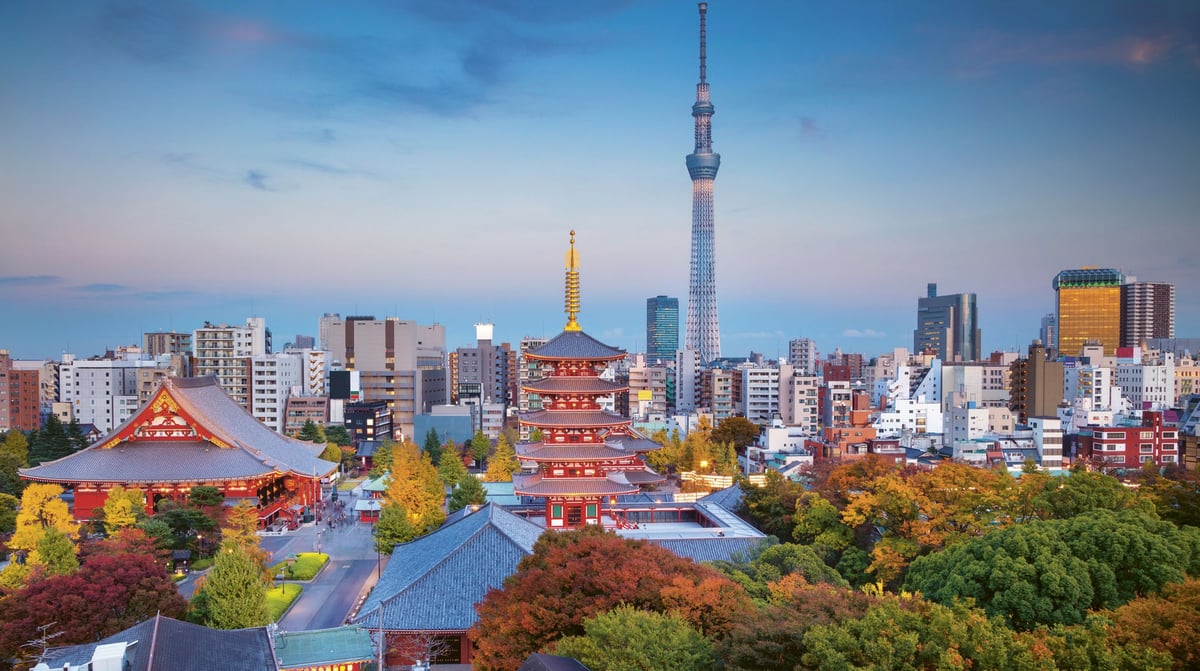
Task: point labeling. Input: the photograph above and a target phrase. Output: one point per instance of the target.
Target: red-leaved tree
(574, 575)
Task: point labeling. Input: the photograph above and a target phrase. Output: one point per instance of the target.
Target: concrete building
(1147, 311)
(1131, 446)
(687, 380)
(225, 351)
(1048, 439)
(106, 392)
(273, 379)
(1148, 384)
(837, 404)
(20, 393)
(1088, 308)
(1037, 384)
(910, 416)
(648, 390)
(400, 362)
(760, 394)
(301, 409)
(720, 392)
(481, 373)
(157, 343)
(948, 326)
(798, 399)
(803, 356)
(662, 329)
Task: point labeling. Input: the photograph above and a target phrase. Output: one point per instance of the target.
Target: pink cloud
(985, 53)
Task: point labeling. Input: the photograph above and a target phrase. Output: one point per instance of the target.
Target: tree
(916, 635)
(772, 638)
(235, 590)
(49, 442)
(451, 469)
(111, 591)
(206, 496)
(393, 527)
(55, 553)
(573, 575)
(14, 455)
(480, 447)
(381, 461)
(1168, 622)
(1082, 492)
(771, 562)
(8, 513)
(469, 492)
(75, 436)
(627, 639)
(737, 431)
(41, 509)
(338, 435)
(311, 432)
(241, 531)
(433, 445)
(819, 524)
(123, 508)
(503, 464)
(772, 507)
(332, 453)
(414, 485)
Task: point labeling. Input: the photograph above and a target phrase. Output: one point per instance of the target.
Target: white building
(106, 392)
(798, 399)
(224, 351)
(968, 423)
(273, 378)
(1048, 439)
(648, 390)
(910, 416)
(1148, 386)
(760, 394)
(803, 356)
(687, 379)
(1096, 384)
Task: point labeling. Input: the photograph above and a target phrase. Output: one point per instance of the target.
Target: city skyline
(168, 165)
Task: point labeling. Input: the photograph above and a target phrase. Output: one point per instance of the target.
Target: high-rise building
(1037, 385)
(20, 402)
(1089, 308)
(703, 332)
(948, 326)
(803, 356)
(1048, 332)
(1147, 311)
(225, 351)
(662, 329)
(158, 343)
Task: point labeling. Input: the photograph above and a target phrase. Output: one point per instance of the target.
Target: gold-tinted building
(1089, 308)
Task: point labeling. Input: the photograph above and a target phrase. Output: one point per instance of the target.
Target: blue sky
(170, 163)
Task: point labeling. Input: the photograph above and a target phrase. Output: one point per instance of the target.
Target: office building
(1088, 308)
(662, 329)
(1147, 311)
(947, 326)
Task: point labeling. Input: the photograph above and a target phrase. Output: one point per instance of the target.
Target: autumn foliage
(574, 575)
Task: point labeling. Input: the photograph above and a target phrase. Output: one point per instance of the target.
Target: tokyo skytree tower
(703, 333)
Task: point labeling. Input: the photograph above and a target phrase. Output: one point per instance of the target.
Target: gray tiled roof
(536, 485)
(566, 384)
(708, 549)
(643, 477)
(434, 582)
(575, 345)
(729, 498)
(572, 418)
(323, 646)
(543, 662)
(570, 452)
(253, 449)
(632, 444)
(175, 645)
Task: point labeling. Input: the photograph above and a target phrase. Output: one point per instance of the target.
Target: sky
(167, 164)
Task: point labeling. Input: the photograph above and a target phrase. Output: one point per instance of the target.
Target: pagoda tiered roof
(571, 452)
(585, 419)
(190, 431)
(563, 384)
(631, 443)
(613, 484)
(643, 477)
(575, 346)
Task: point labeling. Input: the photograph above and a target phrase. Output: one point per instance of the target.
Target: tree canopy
(235, 590)
(737, 431)
(451, 468)
(415, 496)
(503, 463)
(627, 639)
(469, 492)
(311, 432)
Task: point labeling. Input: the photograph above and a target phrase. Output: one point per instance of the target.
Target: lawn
(279, 598)
(306, 567)
(348, 485)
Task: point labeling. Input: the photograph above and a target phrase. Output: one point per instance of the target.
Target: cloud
(863, 333)
(985, 53)
(613, 333)
(102, 288)
(323, 168)
(313, 135)
(258, 179)
(810, 129)
(28, 280)
(464, 12)
(162, 295)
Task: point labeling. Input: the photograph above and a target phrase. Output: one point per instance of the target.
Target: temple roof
(631, 443)
(317, 647)
(575, 345)
(568, 384)
(535, 485)
(164, 643)
(190, 431)
(571, 452)
(583, 419)
(644, 476)
(434, 582)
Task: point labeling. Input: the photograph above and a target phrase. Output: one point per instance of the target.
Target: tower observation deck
(703, 332)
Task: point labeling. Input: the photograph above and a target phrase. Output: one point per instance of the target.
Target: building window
(1147, 457)
(1145, 447)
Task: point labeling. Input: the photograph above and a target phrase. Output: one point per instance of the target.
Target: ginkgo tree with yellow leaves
(414, 501)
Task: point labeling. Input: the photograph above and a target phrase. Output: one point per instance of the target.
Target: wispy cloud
(162, 295)
(613, 333)
(257, 179)
(988, 52)
(863, 333)
(28, 280)
(311, 135)
(102, 288)
(324, 168)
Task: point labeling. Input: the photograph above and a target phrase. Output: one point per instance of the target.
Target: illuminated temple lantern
(192, 433)
(587, 456)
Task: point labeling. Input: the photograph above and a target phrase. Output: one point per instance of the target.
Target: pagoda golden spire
(572, 300)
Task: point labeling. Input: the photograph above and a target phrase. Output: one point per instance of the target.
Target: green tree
(771, 562)
(480, 447)
(332, 453)
(772, 507)
(8, 513)
(433, 445)
(241, 531)
(451, 469)
(311, 432)
(75, 436)
(123, 508)
(627, 639)
(468, 492)
(56, 553)
(1082, 492)
(415, 487)
(206, 496)
(235, 590)
(338, 435)
(503, 463)
(49, 442)
(737, 431)
(393, 527)
(819, 524)
(535, 435)
(14, 455)
(381, 461)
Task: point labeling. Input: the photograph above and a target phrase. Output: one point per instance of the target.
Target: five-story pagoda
(587, 456)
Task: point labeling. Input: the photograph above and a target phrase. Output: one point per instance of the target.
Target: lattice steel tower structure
(703, 333)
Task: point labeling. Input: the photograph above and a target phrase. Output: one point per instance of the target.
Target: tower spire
(572, 291)
(703, 332)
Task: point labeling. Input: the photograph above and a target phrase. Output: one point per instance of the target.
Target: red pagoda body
(587, 456)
